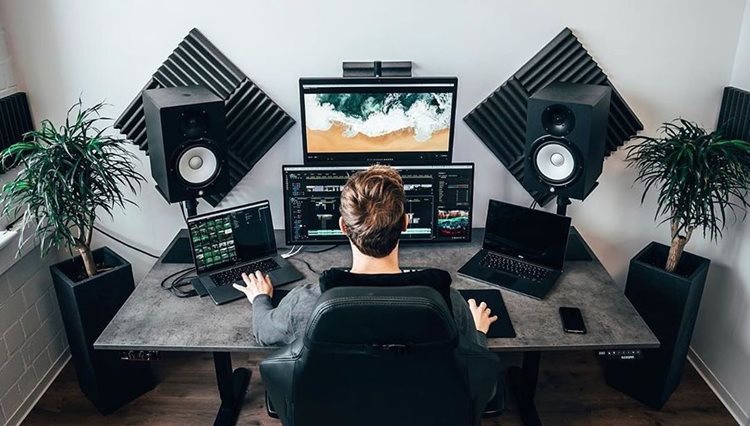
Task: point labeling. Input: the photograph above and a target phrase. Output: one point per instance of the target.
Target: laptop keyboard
(515, 267)
(234, 275)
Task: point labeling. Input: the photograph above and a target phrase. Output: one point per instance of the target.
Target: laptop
(228, 242)
(523, 249)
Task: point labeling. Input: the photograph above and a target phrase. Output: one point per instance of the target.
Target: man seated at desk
(372, 217)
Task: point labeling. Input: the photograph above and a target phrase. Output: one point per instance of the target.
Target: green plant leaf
(701, 178)
(69, 172)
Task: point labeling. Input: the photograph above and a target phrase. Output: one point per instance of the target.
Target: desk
(153, 319)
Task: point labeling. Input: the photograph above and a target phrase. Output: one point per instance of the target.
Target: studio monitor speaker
(187, 145)
(566, 129)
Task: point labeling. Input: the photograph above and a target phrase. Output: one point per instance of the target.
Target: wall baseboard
(718, 388)
(39, 390)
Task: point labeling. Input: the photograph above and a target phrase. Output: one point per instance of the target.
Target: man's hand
(255, 285)
(481, 315)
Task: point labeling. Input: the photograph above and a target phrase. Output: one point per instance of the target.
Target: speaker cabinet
(566, 130)
(187, 145)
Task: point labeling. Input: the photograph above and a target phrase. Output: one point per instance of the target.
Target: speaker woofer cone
(197, 163)
(556, 161)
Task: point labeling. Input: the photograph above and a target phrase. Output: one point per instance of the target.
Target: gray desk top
(153, 319)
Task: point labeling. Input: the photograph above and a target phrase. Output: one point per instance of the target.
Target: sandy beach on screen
(333, 140)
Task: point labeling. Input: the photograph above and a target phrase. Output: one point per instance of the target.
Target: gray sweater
(288, 321)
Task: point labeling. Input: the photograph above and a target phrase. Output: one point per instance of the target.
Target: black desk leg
(232, 388)
(523, 384)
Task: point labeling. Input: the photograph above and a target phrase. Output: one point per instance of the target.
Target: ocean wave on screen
(379, 114)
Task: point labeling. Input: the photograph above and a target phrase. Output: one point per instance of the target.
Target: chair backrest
(380, 356)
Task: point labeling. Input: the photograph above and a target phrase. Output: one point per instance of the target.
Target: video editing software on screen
(388, 120)
(223, 238)
(438, 202)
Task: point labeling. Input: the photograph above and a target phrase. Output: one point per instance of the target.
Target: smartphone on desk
(572, 320)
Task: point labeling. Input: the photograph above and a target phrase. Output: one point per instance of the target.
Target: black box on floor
(668, 303)
(87, 306)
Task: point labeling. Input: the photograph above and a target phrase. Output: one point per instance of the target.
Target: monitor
(361, 121)
(533, 235)
(226, 237)
(438, 202)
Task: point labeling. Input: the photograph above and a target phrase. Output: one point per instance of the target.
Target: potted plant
(68, 174)
(702, 181)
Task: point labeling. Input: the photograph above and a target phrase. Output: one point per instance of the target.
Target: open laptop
(228, 242)
(523, 249)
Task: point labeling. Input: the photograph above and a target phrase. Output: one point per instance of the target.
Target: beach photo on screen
(377, 122)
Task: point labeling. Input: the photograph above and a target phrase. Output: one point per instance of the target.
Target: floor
(571, 392)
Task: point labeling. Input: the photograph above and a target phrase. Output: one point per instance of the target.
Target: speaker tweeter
(558, 120)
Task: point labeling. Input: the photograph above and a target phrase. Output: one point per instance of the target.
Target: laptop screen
(532, 235)
(231, 236)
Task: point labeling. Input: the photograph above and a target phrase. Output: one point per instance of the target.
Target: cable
(126, 244)
(306, 264)
(175, 286)
(294, 250)
(182, 281)
(331, 247)
(172, 275)
(182, 209)
(306, 249)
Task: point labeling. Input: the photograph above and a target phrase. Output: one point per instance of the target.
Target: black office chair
(380, 356)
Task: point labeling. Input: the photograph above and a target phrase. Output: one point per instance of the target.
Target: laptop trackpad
(503, 279)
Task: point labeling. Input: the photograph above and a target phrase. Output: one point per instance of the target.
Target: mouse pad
(503, 327)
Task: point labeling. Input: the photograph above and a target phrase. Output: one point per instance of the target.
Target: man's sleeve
(271, 326)
(281, 325)
(464, 320)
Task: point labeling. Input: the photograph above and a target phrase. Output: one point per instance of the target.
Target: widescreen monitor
(438, 202)
(361, 121)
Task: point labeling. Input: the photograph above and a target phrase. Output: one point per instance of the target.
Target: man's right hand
(481, 315)
(255, 285)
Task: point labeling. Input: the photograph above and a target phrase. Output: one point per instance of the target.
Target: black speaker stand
(562, 205)
(179, 250)
(191, 206)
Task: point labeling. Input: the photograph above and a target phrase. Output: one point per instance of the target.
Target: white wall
(741, 72)
(668, 58)
(8, 86)
(7, 75)
(721, 341)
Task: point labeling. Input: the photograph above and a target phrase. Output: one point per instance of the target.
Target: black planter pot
(668, 303)
(87, 306)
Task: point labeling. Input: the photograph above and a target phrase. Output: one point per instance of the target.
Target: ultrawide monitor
(438, 202)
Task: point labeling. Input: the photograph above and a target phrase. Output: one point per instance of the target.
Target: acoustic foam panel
(734, 117)
(15, 120)
(500, 120)
(254, 121)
